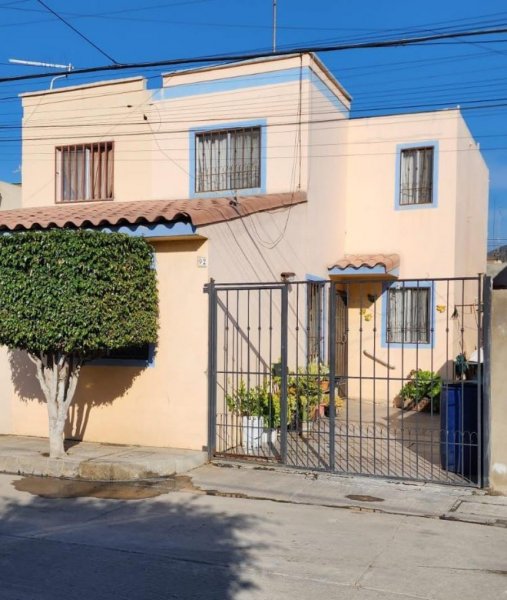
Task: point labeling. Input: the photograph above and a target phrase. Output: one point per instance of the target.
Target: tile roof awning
(196, 211)
(366, 264)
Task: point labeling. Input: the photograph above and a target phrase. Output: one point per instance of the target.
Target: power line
(81, 35)
(409, 41)
(194, 117)
(133, 134)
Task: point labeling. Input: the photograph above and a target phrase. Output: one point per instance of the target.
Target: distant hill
(498, 254)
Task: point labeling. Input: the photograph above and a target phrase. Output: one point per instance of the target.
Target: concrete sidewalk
(356, 493)
(109, 462)
(29, 456)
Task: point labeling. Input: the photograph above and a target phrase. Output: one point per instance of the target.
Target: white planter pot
(269, 436)
(252, 429)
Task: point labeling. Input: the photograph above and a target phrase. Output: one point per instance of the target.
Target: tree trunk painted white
(58, 376)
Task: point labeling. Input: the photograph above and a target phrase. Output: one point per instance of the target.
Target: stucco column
(498, 408)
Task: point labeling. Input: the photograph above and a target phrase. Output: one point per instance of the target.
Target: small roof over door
(366, 264)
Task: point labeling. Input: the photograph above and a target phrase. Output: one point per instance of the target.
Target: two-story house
(254, 172)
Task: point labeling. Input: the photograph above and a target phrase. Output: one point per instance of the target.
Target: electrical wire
(408, 41)
(79, 33)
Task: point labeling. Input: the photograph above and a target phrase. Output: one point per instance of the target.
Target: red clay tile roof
(356, 261)
(198, 211)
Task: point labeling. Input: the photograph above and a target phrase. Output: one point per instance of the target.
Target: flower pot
(324, 386)
(252, 429)
(322, 410)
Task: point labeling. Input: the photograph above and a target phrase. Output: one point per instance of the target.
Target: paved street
(174, 541)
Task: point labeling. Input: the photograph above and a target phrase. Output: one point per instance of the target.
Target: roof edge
(199, 212)
(83, 86)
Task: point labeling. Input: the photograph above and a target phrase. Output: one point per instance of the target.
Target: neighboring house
(10, 195)
(242, 172)
(498, 273)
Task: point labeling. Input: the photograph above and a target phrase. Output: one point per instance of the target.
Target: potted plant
(307, 394)
(259, 411)
(422, 391)
(307, 397)
(461, 366)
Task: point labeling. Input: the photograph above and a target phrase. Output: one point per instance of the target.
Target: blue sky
(381, 80)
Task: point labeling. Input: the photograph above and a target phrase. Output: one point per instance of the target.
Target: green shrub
(305, 389)
(422, 384)
(304, 393)
(257, 401)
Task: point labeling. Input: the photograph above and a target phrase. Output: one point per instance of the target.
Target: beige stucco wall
(472, 197)
(366, 334)
(373, 224)
(166, 404)
(327, 176)
(10, 195)
(448, 240)
(101, 112)
(347, 168)
(150, 127)
(162, 405)
(304, 239)
(498, 407)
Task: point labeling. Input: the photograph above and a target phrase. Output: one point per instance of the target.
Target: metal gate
(370, 377)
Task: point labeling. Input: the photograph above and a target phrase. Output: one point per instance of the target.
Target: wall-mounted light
(287, 276)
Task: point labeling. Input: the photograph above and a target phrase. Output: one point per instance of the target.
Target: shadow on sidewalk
(77, 548)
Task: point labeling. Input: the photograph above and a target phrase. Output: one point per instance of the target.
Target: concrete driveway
(164, 540)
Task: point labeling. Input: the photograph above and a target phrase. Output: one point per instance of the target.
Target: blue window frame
(416, 181)
(235, 155)
(408, 315)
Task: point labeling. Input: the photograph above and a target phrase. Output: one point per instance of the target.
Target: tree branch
(75, 368)
(40, 375)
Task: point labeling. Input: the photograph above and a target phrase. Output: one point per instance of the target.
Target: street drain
(364, 498)
(53, 488)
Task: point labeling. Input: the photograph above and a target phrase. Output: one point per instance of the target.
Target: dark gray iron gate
(370, 377)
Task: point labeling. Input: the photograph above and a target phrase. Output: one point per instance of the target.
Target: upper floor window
(228, 159)
(84, 172)
(408, 315)
(416, 177)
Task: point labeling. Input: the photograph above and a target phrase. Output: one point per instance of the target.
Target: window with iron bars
(408, 316)
(228, 159)
(315, 321)
(416, 177)
(84, 172)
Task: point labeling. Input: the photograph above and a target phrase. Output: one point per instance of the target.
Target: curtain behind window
(416, 185)
(85, 172)
(227, 160)
(408, 316)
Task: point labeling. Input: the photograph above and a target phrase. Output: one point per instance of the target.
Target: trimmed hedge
(76, 292)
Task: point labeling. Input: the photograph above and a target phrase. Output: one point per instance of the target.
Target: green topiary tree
(69, 296)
